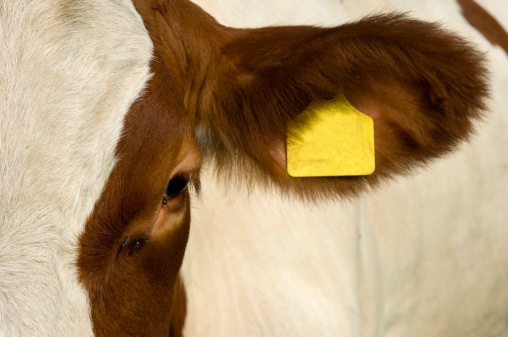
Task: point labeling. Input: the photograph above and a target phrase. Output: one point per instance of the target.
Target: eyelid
(188, 168)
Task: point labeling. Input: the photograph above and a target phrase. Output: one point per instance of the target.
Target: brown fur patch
(423, 85)
(485, 23)
(179, 312)
(131, 291)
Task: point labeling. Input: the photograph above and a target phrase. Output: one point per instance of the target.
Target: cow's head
(227, 95)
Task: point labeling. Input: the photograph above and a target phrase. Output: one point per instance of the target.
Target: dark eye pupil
(176, 186)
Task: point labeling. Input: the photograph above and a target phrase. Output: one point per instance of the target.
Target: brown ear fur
(423, 86)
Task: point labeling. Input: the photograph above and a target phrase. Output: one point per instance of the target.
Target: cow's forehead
(70, 71)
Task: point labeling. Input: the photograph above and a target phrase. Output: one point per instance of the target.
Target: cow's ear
(423, 86)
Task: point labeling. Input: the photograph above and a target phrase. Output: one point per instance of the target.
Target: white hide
(69, 70)
(423, 256)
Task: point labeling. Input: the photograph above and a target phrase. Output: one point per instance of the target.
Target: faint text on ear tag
(330, 139)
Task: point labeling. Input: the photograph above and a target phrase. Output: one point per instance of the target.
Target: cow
(108, 109)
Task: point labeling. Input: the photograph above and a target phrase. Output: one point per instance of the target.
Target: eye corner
(195, 181)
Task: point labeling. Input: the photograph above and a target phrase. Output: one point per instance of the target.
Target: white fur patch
(69, 70)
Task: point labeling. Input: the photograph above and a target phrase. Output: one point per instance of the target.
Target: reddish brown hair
(424, 87)
(485, 23)
(131, 287)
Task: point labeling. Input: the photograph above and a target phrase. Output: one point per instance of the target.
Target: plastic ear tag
(330, 138)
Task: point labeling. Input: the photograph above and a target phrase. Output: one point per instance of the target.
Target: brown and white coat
(107, 110)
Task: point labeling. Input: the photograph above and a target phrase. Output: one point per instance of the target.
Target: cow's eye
(176, 186)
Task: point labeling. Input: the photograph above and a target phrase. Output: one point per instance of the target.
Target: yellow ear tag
(330, 139)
